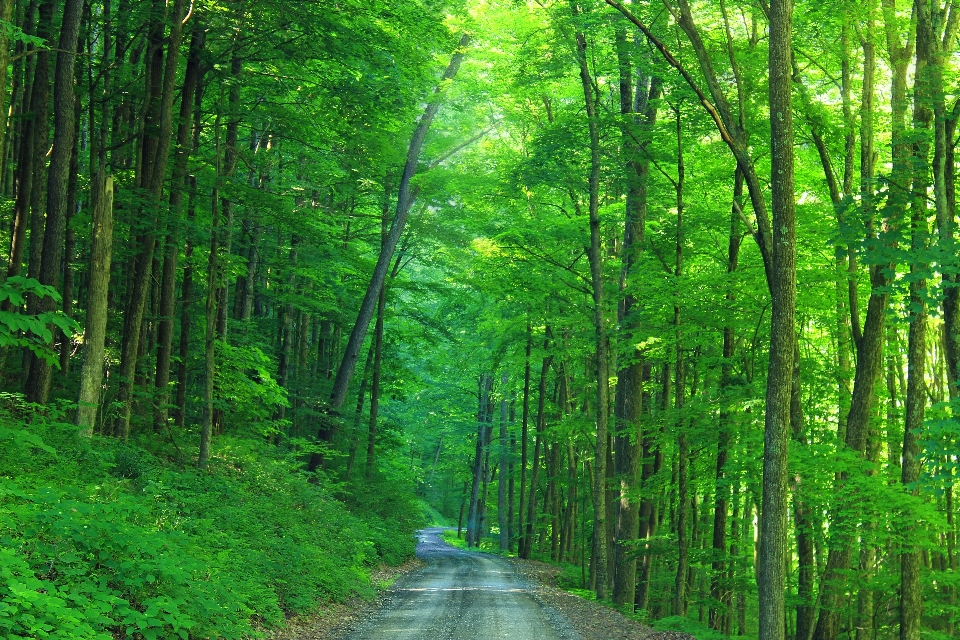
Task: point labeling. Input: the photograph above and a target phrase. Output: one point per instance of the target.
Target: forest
(666, 292)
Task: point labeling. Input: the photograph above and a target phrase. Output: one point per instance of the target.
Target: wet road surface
(461, 595)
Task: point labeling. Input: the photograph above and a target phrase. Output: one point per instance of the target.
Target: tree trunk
(502, 509)
(172, 250)
(683, 508)
(156, 136)
(595, 255)
(773, 519)
(404, 202)
(719, 587)
(524, 439)
(375, 385)
(527, 548)
(101, 251)
(628, 406)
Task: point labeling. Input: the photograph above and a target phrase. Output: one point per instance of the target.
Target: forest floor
(577, 617)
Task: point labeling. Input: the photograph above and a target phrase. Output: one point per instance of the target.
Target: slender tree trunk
(375, 385)
(773, 519)
(404, 202)
(33, 144)
(186, 299)
(101, 251)
(171, 249)
(156, 138)
(502, 509)
(683, 508)
(595, 255)
(358, 414)
(474, 516)
(524, 439)
(535, 463)
(719, 587)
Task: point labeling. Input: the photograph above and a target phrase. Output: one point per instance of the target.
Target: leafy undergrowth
(100, 539)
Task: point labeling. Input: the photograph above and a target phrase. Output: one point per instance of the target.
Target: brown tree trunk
(375, 385)
(524, 439)
(628, 406)
(719, 587)
(683, 505)
(156, 137)
(474, 515)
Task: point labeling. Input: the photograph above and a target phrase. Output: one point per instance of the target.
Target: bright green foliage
(31, 331)
(108, 539)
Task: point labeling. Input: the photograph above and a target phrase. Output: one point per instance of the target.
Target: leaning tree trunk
(404, 202)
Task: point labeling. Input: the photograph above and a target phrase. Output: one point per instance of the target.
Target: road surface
(462, 595)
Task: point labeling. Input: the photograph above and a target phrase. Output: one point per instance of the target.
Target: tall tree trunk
(628, 406)
(502, 509)
(375, 384)
(156, 137)
(474, 516)
(773, 518)
(524, 440)
(927, 85)
(171, 249)
(527, 549)
(719, 587)
(404, 202)
(683, 505)
(101, 252)
(33, 143)
(595, 255)
(58, 180)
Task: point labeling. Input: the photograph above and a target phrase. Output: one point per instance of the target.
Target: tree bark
(404, 202)
(101, 251)
(502, 509)
(595, 255)
(527, 549)
(773, 519)
(171, 249)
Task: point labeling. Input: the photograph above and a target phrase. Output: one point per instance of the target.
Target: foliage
(33, 332)
(164, 553)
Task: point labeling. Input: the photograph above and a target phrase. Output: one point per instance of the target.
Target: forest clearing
(662, 293)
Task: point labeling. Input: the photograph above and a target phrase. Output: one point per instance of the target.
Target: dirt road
(461, 595)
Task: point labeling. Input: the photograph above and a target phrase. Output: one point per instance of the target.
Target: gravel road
(461, 595)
